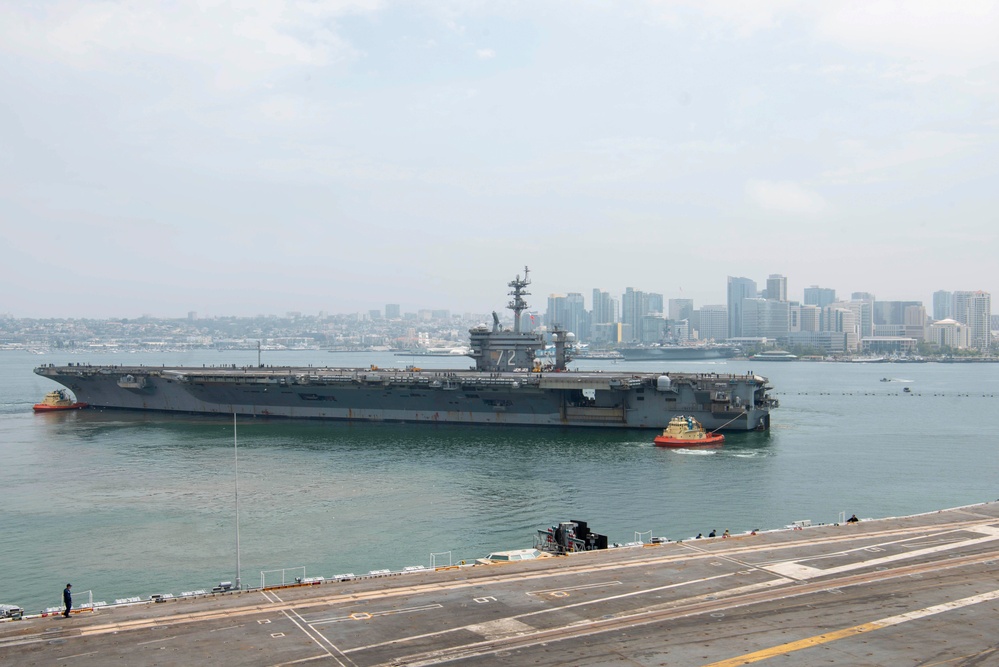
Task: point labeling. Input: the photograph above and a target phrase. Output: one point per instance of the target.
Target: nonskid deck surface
(913, 590)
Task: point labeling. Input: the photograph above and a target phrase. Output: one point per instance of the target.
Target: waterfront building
(948, 333)
(738, 290)
(902, 345)
(889, 330)
(830, 342)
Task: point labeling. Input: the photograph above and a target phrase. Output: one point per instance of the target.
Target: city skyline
(537, 303)
(337, 155)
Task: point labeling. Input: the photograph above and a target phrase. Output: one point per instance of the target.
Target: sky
(234, 158)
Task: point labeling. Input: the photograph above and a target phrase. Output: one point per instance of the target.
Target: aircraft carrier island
(508, 385)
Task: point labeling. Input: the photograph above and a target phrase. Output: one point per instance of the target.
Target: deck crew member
(67, 597)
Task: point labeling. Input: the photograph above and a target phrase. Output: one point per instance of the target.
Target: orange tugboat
(686, 432)
(58, 400)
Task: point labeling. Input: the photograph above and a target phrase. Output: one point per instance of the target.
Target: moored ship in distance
(508, 385)
(774, 355)
(670, 352)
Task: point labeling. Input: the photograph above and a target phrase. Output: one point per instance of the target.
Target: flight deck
(918, 590)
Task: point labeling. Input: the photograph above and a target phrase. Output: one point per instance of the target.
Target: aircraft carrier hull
(571, 398)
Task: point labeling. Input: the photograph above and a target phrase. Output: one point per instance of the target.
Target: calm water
(128, 505)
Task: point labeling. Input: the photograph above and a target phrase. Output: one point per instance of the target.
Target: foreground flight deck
(920, 590)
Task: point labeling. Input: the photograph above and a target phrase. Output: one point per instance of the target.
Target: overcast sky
(244, 158)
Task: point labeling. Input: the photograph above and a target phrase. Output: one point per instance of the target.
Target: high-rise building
(811, 318)
(604, 308)
(863, 311)
(777, 287)
(738, 290)
(943, 305)
(819, 296)
(577, 319)
(794, 316)
(975, 310)
(712, 322)
(632, 309)
(892, 312)
(392, 311)
(915, 322)
(681, 309)
(653, 329)
(765, 318)
(654, 304)
(567, 312)
(841, 318)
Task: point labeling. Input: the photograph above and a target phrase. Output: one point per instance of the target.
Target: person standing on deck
(67, 597)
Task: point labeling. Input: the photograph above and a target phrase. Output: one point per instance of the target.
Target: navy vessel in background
(508, 385)
(677, 352)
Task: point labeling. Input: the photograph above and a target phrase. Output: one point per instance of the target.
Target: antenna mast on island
(518, 305)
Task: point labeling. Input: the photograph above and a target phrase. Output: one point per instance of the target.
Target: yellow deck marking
(827, 637)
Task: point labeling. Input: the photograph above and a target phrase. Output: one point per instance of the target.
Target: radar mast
(518, 305)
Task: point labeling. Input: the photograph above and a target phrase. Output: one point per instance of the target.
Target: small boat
(686, 432)
(58, 400)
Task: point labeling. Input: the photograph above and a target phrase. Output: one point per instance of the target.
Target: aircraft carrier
(677, 352)
(508, 385)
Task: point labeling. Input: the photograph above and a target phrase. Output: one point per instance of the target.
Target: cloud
(784, 197)
(239, 45)
(910, 154)
(485, 54)
(932, 37)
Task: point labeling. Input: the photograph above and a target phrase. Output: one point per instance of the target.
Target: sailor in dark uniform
(67, 597)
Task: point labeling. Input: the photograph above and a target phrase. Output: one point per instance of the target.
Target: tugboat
(58, 400)
(686, 432)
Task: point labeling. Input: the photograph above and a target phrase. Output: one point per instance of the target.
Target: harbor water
(129, 504)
